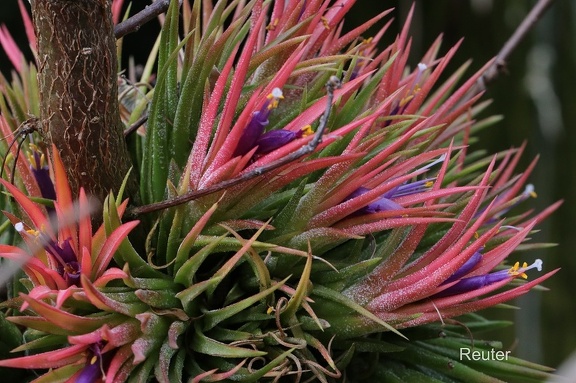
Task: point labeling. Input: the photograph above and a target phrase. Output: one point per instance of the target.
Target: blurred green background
(537, 98)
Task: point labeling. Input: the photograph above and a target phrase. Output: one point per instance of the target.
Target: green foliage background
(537, 99)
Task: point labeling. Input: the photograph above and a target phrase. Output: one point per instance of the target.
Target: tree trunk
(77, 76)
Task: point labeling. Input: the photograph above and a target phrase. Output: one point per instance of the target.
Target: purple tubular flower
(93, 371)
(474, 283)
(385, 202)
(401, 105)
(465, 268)
(381, 204)
(41, 173)
(62, 253)
(68, 265)
(257, 124)
(252, 132)
(275, 139)
(409, 188)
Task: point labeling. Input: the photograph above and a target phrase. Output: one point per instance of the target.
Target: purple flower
(401, 105)
(385, 202)
(476, 282)
(257, 124)
(465, 268)
(65, 258)
(275, 139)
(94, 369)
(68, 266)
(41, 173)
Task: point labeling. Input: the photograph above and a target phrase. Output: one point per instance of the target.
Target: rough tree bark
(77, 76)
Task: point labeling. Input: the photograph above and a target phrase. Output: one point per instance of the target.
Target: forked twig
(331, 86)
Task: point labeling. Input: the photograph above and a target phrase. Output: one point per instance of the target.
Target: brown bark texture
(77, 76)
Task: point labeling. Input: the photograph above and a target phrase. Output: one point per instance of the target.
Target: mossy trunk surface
(77, 78)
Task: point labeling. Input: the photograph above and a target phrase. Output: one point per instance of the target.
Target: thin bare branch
(132, 128)
(331, 86)
(499, 65)
(133, 23)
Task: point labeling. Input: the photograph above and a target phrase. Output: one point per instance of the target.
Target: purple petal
(381, 204)
(252, 132)
(409, 189)
(465, 268)
(44, 182)
(273, 140)
(473, 283)
(91, 373)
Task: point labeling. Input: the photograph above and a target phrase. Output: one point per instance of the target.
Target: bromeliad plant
(310, 211)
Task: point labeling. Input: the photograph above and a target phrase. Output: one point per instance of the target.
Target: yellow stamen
(367, 41)
(429, 184)
(516, 270)
(34, 149)
(325, 22)
(272, 26)
(406, 100)
(307, 131)
(94, 359)
(529, 191)
(275, 96)
(270, 310)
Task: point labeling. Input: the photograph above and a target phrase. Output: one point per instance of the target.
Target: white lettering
(478, 355)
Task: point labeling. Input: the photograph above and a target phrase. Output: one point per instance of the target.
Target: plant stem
(77, 78)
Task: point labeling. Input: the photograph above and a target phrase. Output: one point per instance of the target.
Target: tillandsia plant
(309, 209)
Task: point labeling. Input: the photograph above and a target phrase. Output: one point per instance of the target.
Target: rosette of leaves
(340, 232)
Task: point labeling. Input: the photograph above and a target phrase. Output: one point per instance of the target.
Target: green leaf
(125, 254)
(157, 154)
(285, 221)
(165, 299)
(301, 292)
(340, 299)
(188, 295)
(58, 375)
(346, 276)
(142, 372)
(397, 373)
(177, 369)
(372, 345)
(204, 345)
(212, 318)
(162, 368)
(10, 336)
(509, 369)
(187, 272)
(418, 357)
(42, 342)
(256, 375)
